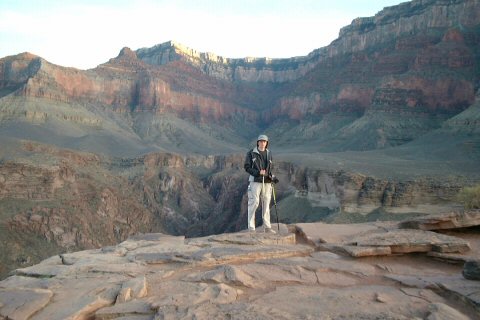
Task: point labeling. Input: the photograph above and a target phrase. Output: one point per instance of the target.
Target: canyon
(382, 124)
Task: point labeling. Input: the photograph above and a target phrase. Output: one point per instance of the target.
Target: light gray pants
(257, 192)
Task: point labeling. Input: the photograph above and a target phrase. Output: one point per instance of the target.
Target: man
(258, 163)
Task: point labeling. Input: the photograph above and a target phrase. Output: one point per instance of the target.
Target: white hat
(262, 137)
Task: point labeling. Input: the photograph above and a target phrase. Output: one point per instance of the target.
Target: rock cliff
(389, 25)
(246, 69)
(388, 79)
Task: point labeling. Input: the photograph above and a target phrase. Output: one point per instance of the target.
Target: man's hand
(263, 172)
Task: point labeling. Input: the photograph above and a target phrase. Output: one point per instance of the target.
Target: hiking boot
(269, 230)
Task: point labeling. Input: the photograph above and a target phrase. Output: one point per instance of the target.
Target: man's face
(262, 144)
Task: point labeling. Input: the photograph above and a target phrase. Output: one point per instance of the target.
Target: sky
(84, 34)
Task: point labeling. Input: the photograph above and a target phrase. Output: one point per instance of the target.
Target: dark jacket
(253, 164)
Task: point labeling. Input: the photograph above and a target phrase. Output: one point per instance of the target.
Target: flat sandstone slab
(409, 240)
(319, 232)
(450, 220)
(376, 239)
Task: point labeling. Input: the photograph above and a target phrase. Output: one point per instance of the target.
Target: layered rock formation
(386, 26)
(74, 201)
(247, 69)
(387, 79)
(68, 202)
(163, 132)
(251, 276)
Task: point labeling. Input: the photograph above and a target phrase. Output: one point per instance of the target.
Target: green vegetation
(470, 197)
(11, 206)
(23, 249)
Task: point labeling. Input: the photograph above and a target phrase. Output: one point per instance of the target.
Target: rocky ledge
(376, 270)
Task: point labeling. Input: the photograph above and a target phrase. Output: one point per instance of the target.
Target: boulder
(471, 270)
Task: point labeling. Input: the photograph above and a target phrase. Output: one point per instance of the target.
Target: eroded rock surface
(308, 274)
(450, 220)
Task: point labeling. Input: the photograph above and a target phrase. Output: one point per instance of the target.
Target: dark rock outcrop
(471, 270)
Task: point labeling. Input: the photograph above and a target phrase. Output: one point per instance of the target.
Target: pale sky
(84, 34)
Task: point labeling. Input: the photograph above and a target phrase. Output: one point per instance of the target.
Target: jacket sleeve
(249, 166)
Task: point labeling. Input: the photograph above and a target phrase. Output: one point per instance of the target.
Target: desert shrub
(470, 197)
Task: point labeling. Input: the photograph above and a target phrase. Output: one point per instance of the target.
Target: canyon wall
(418, 60)
(84, 201)
(163, 132)
(387, 26)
